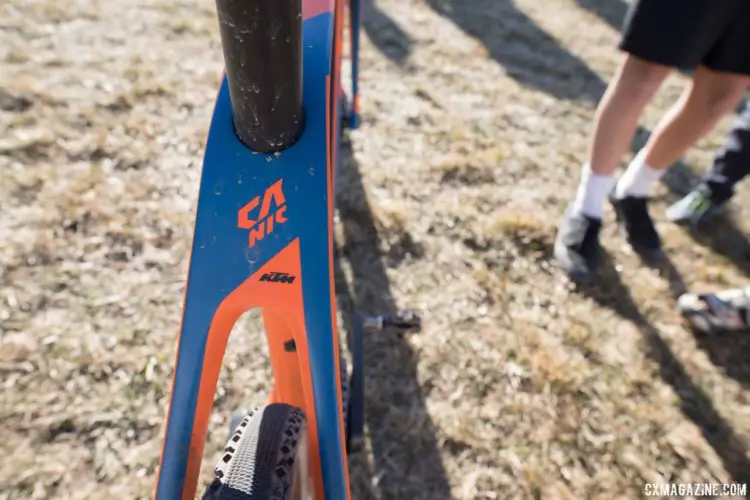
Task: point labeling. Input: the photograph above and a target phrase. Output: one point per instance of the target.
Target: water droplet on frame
(252, 255)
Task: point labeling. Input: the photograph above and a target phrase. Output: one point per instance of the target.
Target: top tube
(262, 44)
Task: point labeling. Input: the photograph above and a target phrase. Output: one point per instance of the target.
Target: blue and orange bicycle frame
(264, 239)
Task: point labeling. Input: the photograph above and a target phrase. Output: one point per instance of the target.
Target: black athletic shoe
(577, 246)
(695, 208)
(636, 224)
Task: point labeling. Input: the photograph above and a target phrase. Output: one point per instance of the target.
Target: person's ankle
(637, 179)
(591, 194)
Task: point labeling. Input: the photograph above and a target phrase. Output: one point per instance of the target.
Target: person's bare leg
(632, 87)
(710, 96)
(577, 241)
(617, 115)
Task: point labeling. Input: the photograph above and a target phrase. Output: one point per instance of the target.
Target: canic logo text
(271, 212)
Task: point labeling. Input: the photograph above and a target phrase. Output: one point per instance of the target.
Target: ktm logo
(278, 278)
(267, 219)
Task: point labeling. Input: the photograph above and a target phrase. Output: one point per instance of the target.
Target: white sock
(638, 178)
(591, 194)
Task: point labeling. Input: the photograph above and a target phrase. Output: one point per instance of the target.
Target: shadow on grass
(611, 12)
(406, 455)
(731, 352)
(385, 33)
(726, 239)
(694, 403)
(527, 52)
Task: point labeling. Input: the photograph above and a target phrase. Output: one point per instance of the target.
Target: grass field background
(476, 116)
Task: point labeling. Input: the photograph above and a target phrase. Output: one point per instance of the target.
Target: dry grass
(475, 123)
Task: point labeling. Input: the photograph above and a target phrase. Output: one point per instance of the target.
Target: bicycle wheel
(265, 459)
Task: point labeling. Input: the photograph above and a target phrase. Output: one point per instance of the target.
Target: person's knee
(717, 94)
(638, 80)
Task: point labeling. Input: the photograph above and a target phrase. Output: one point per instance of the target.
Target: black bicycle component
(262, 43)
(406, 321)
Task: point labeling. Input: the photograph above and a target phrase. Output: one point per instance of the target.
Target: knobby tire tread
(258, 461)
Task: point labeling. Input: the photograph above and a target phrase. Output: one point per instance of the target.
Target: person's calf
(714, 94)
(617, 118)
(710, 97)
(617, 115)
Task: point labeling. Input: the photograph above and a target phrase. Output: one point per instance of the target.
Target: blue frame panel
(221, 260)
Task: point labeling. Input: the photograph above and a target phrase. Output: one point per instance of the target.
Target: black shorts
(687, 33)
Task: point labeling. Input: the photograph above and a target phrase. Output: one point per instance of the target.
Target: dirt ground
(476, 116)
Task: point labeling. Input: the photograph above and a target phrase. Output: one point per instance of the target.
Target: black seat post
(262, 43)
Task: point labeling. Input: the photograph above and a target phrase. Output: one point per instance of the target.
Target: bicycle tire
(265, 458)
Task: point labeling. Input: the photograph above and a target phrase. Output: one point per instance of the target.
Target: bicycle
(263, 238)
